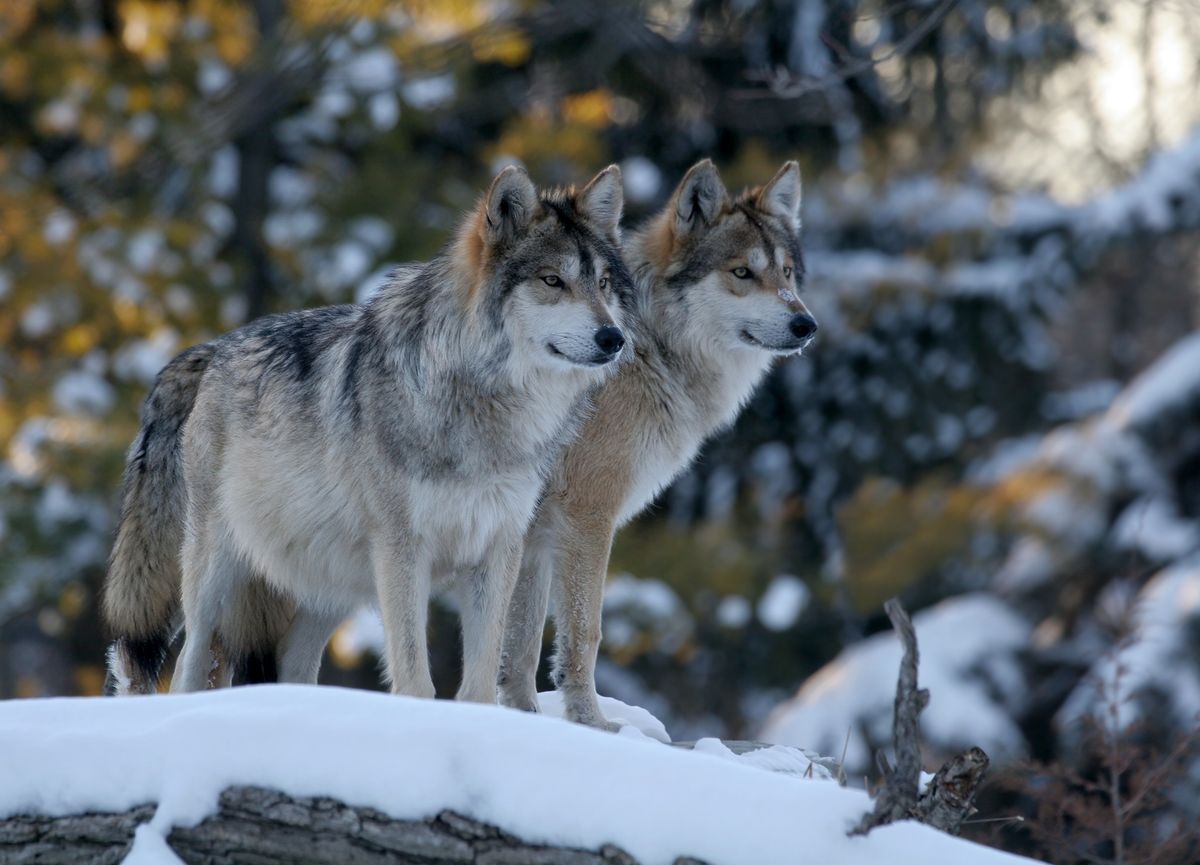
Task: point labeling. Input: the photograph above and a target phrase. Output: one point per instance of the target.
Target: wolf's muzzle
(802, 325)
(610, 339)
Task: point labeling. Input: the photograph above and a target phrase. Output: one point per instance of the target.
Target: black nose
(610, 339)
(803, 325)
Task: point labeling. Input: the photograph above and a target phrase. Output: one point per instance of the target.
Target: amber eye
(553, 281)
(787, 272)
(741, 272)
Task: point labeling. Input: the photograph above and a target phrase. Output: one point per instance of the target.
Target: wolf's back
(141, 591)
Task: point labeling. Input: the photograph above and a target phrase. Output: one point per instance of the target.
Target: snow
(539, 778)
(783, 603)
(734, 611)
(777, 758)
(83, 392)
(551, 703)
(968, 646)
(428, 93)
(141, 359)
(643, 179)
(634, 608)
(1171, 382)
(1157, 657)
(1154, 527)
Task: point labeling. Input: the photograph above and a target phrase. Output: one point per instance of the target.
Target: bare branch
(785, 86)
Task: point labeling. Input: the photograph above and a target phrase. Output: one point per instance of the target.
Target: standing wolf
(321, 460)
(714, 302)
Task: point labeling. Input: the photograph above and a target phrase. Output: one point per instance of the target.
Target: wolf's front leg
(578, 599)
(402, 581)
(484, 609)
(527, 617)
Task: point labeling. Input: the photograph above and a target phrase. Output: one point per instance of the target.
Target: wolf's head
(734, 266)
(549, 267)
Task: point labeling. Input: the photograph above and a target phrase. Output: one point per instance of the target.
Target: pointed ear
(602, 200)
(700, 197)
(781, 197)
(509, 205)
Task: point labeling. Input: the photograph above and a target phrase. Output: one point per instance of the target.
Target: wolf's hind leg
(303, 646)
(211, 572)
(484, 607)
(526, 621)
(578, 601)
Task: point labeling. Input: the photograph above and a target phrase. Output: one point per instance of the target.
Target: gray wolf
(313, 462)
(714, 303)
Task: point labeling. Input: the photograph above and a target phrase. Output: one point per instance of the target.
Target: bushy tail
(141, 592)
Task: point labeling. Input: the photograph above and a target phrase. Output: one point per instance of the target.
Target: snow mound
(968, 647)
(551, 703)
(540, 778)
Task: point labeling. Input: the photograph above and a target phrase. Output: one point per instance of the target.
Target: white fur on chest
(461, 522)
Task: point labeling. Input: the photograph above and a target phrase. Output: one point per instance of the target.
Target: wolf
(313, 462)
(715, 302)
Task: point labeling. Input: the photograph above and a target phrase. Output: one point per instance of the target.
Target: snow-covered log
(320, 774)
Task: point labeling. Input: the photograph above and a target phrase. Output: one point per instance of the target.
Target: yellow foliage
(80, 339)
(73, 600)
(501, 45)
(123, 149)
(537, 137)
(148, 27)
(593, 108)
(324, 13)
(234, 32)
(895, 536)
(14, 75)
(15, 18)
(89, 680)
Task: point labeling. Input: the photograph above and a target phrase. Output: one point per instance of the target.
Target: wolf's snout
(802, 325)
(611, 340)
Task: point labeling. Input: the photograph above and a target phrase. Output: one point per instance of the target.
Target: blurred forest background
(1000, 422)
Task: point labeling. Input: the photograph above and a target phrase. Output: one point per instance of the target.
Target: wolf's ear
(509, 206)
(781, 197)
(602, 199)
(700, 197)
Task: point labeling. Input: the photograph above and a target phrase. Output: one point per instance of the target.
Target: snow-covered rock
(539, 778)
(968, 646)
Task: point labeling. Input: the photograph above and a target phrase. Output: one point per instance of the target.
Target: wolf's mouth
(601, 360)
(751, 339)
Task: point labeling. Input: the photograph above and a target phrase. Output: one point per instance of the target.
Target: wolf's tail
(141, 592)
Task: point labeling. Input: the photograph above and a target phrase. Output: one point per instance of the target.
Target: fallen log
(261, 826)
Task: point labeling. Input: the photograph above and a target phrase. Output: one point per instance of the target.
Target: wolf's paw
(522, 700)
(595, 720)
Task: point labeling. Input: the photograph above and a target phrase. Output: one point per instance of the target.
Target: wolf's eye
(553, 281)
(604, 283)
(787, 273)
(741, 272)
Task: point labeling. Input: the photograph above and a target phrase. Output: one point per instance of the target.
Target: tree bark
(263, 827)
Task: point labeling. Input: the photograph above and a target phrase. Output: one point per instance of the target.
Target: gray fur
(374, 453)
(703, 341)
